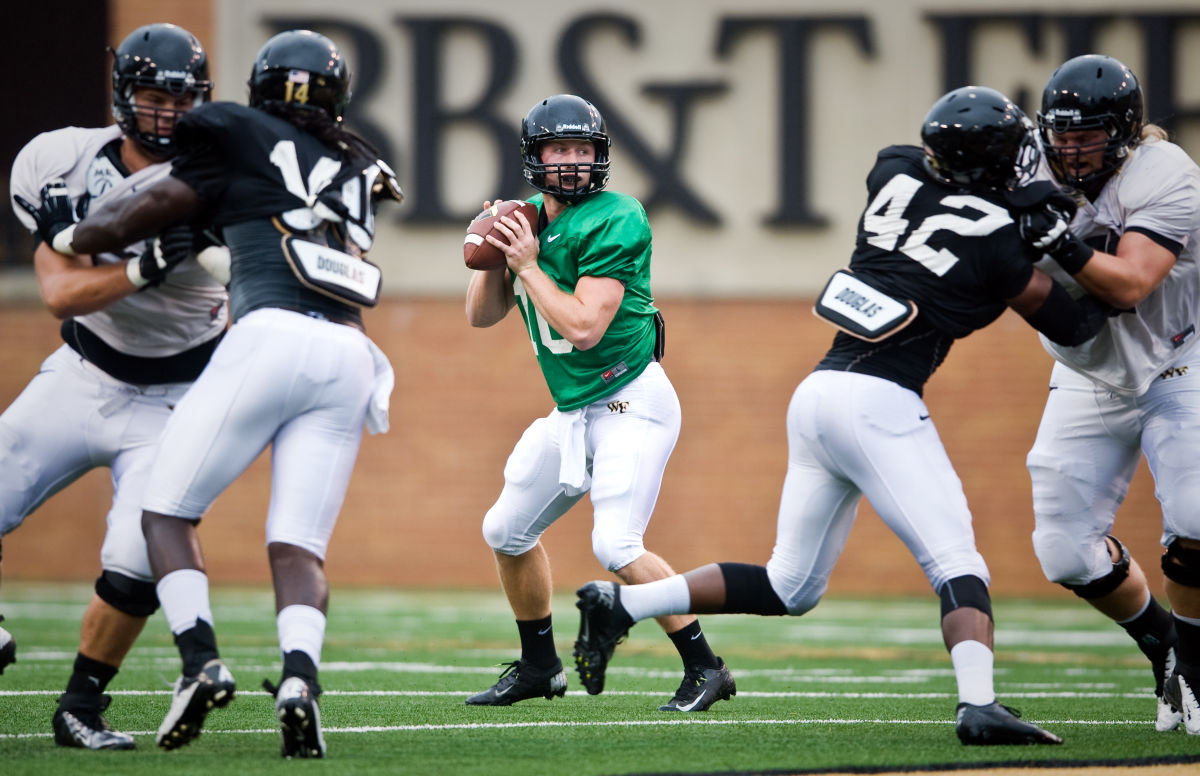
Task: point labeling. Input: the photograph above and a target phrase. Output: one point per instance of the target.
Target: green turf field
(855, 683)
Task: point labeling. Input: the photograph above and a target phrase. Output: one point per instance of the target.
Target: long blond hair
(1152, 133)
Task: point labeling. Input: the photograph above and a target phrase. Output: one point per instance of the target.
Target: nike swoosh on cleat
(692, 705)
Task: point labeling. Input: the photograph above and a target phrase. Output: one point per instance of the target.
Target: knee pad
(1098, 588)
(800, 593)
(963, 591)
(1181, 564)
(126, 594)
(1067, 554)
(499, 535)
(748, 589)
(616, 552)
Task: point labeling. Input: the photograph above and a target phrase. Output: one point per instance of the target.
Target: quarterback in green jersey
(582, 284)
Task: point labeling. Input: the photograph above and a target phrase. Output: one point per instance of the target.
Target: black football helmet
(1091, 92)
(558, 117)
(301, 68)
(977, 138)
(163, 57)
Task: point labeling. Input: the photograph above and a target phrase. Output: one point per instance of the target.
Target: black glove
(1039, 194)
(1048, 229)
(160, 257)
(55, 216)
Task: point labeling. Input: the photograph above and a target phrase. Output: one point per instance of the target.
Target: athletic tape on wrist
(133, 271)
(62, 241)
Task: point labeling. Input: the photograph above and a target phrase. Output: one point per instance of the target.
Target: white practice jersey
(185, 310)
(1158, 190)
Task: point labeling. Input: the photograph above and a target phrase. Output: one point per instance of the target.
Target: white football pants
(72, 418)
(621, 443)
(853, 435)
(1086, 453)
(280, 378)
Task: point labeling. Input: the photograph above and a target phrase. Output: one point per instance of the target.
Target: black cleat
(193, 698)
(603, 623)
(79, 722)
(299, 717)
(521, 681)
(1180, 694)
(701, 688)
(997, 724)
(8, 647)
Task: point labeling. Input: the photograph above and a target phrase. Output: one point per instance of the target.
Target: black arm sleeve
(1068, 321)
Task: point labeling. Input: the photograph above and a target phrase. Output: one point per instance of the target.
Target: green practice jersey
(604, 235)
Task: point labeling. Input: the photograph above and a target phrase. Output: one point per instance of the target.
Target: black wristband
(1073, 254)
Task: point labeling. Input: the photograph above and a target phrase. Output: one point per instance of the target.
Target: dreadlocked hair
(321, 125)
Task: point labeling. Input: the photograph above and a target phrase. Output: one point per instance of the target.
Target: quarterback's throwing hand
(55, 218)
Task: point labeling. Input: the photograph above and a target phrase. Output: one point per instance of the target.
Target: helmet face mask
(164, 58)
(978, 139)
(303, 69)
(565, 117)
(1090, 92)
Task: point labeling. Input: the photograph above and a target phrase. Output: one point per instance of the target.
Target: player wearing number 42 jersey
(939, 255)
(583, 287)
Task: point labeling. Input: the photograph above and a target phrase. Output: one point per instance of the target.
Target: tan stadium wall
(463, 397)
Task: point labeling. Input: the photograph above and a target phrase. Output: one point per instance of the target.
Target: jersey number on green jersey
(555, 345)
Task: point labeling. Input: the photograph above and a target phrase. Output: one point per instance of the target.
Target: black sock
(299, 663)
(1153, 630)
(197, 645)
(693, 647)
(89, 676)
(537, 642)
(1187, 651)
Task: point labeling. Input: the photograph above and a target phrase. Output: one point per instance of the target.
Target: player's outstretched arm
(125, 221)
(1046, 306)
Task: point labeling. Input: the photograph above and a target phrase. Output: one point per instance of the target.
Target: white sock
(184, 598)
(301, 628)
(973, 663)
(654, 599)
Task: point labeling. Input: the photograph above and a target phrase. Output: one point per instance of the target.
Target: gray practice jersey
(185, 310)
(1156, 192)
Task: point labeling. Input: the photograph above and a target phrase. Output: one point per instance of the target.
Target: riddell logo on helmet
(571, 128)
(180, 75)
(1070, 114)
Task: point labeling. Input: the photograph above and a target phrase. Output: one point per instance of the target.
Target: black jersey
(956, 255)
(259, 177)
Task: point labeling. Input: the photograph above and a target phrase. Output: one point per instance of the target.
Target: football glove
(55, 217)
(1048, 229)
(160, 257)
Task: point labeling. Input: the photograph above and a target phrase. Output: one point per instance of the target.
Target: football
(478, 253)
